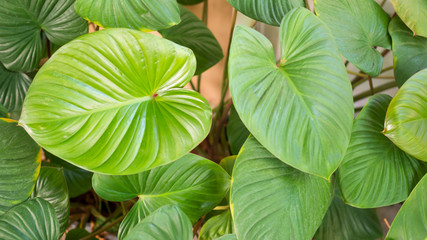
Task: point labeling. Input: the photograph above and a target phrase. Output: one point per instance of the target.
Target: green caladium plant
(114, 139)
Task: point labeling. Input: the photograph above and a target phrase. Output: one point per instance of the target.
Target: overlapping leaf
(374, 171)
(406, 120)
(301, 110)
(217, 226)
(168, 222)
(271, 200)
(20, 159)
(119, 107)
(237, 133)
(13, 87)
(34, 219)
(194, 34)
(358, 26)
(21, 23)
(267, 11)
(189, 2)
(136, 14)
(413, 13)
(228, 237)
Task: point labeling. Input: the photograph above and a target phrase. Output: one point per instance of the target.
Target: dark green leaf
(374, 171)
(237, 132)
(271, 200)
(301, 110)
(194, 34)
(34, 219)
(77, 234)
(189, 2)
(20, 159)
(413, 13)
(228, 164)
(217, 226)
(3, 112)
(120, 106)
(13, 87)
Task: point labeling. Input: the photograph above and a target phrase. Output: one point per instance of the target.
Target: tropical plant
(106, 131)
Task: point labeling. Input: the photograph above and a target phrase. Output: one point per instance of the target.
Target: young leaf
(52, 187)
(358, 26)
(13, 87)
(301, 110)
(271, 200)
(34, 219)
(409, 52)
(406, 120)
(146, 15)
(267, 11)
(120, 106)
(375, 172)
(237, 132)
(194, 34)
(413, 13)
(21, 23)
(217, 226)
(411, 220)
(20, 159)
(168, 222)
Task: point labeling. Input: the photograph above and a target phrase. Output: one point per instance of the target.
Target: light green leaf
(168, 222)
(196, 185)
(217, 226)
(271, 200)
(406, 120)
(22, 22)
(52, 187)
(146, 15)
(137, 213)
(345, 222)
(358, 26)
(413, 13)
(189, 2)
(301, 110)
(375, 172)
(20, 159)
(228, 237)
(237, 132)
(266, 11)
(228, 164)
(79, 181)
(120, 107)
(34, 219)
(13, 87)
(409, 52)
(194, 34)
(411, 220)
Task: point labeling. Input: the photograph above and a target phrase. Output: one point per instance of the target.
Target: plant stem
(49, 52)
(101, 230)
(306, 5)
(220, 208)
(199, 82)
(205, 20)
(383, 2)
(376, 90)
(122, 204)
(192, 85)
(371, 85)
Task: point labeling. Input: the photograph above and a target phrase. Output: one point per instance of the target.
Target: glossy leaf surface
(196, 185)
(34, 219)
(20, 159)
(123, 109)
(194, 34)
(267, 11)
(413, 13)
(409, 52)
(406, 120)
(411, 220)
(301, 110)
(136, 14)
(358, 26)
(52, 187)
(13, 87)
(374, 171)
(21, 23)
(271, 200)
(217, 226)
(237, 132)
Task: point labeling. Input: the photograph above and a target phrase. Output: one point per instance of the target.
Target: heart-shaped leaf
(413, 13)
(409, 52)
(79, 181)
(301, 110)
(406, 120)
(120, 106)
(136, 14)
(358, 26)
(52, 187)
(189, 2)
(374, 171)
(228, 237)
(411, 220)
(22, 45)
(168, 222)
(267, 11)
(34, 219)
(13, 87)
(193, 183)
(194, 34)
(237, 132)
(271, 200)
(217, 226)
(20, 159)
